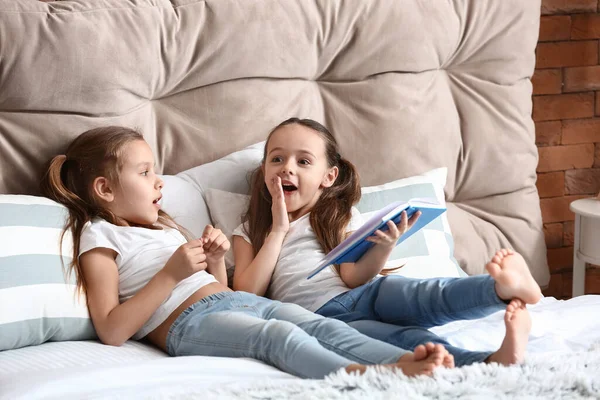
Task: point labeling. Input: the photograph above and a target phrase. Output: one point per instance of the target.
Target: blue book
(355, 245)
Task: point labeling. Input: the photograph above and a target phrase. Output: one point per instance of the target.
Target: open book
(355, 245)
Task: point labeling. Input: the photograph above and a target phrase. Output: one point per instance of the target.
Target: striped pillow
(36, 303)
(428, 253)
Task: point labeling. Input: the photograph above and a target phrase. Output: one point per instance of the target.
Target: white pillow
(37, 304)
(230, 173)
(426, 254)
(184, 202)
(226, 210)
(184, 193)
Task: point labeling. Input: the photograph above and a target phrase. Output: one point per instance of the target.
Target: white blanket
(74, 370)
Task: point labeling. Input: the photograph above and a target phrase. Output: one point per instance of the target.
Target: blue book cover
(355, 245)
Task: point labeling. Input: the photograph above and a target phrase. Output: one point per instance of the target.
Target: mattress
(88, 369)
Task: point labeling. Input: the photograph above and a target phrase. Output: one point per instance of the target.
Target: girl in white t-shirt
(301, 207)
(143, 279)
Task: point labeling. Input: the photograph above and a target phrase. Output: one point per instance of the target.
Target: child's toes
(493, 269)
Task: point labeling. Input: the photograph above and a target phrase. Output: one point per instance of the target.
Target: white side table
(587, 240)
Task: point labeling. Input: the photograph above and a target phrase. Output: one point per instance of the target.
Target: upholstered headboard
(406, 86)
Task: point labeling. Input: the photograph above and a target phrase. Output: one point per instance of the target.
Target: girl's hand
(281, 221)
(188, 259)
(215, 244)
(391, 236)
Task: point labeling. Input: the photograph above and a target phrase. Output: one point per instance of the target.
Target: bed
(421, 95)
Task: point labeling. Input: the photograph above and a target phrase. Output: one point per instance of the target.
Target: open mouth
(288, 187)
(156, 201)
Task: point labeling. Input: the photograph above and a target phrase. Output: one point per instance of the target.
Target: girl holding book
(301, 207)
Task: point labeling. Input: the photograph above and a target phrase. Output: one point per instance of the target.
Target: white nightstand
(587, 240)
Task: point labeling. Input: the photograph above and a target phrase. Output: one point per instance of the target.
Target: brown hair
(69, 177)
(333, 210)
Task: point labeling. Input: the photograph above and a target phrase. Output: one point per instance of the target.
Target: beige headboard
(406, 86)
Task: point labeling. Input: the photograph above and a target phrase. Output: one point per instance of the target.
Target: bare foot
(518, 325)
(421, 352)
(424, 360)
(513, 278)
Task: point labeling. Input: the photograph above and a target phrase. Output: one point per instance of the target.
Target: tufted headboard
(406, 86)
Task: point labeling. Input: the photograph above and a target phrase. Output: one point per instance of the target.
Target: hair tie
(338, 157)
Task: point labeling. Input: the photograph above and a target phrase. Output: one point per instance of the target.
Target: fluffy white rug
(550, 376)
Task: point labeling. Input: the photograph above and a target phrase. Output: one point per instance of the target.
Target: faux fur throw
(542, 376)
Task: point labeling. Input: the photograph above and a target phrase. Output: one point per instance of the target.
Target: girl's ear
(102, 189)
(330, 177)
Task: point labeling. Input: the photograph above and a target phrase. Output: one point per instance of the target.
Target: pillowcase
(226, 210)
(230, 173)
(37, 304)
(426, 254)
(185, 204)
(184, 193)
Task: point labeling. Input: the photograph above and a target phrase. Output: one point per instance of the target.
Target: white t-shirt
(141, 253)
(299, 255)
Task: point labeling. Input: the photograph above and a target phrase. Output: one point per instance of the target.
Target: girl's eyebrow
(308, 152)
(301, 151)
(275, 149)
(144, 164)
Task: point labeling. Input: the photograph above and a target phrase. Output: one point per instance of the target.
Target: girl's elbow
(116, 343)
(241, 287)
(352, 284)
(350, 281)
(111, 338)
(112, 341)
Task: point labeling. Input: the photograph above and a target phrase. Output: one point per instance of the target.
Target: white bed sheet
(74, 370)
(89, 369)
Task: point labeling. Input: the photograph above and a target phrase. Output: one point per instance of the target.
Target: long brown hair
(333, 210)
(69, 177)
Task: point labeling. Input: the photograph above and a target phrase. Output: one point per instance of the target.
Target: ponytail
(53, 186)
(333, 211)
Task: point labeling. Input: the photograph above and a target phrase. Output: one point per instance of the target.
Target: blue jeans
(297, 341)
(399, 310)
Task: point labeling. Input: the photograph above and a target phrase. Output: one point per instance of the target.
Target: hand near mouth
(281, 222)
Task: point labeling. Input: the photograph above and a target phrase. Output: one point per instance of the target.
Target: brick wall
(566, 111)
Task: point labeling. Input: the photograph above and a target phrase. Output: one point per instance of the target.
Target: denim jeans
(297, 341)
(399, 310)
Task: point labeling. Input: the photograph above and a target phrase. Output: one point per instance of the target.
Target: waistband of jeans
(211, 297)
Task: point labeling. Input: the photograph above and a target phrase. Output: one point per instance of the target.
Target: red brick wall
(566, 111)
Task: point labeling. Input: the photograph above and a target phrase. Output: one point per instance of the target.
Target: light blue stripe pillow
(428, 253)
(37, 304)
